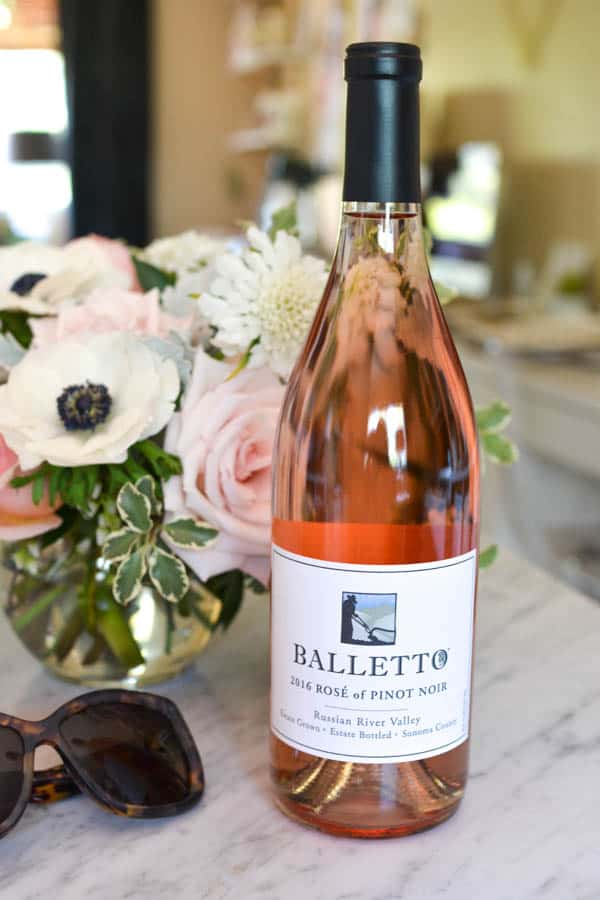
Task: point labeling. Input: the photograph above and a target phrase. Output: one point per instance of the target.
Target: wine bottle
(375, 506)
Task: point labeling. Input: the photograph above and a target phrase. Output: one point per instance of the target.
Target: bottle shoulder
(377, 423)
(379, 357)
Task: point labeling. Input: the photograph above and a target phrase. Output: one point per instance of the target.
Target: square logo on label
(368, 618)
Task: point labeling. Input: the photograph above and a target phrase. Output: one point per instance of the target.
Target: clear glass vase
(59, 602)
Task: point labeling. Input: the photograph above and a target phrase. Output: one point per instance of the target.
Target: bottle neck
(382, 141)
(391, 230)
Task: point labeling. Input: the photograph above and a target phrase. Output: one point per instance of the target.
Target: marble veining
(529, 826)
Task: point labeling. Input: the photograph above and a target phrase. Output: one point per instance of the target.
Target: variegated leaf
(134, 508)
(168, 575)
(128, 578)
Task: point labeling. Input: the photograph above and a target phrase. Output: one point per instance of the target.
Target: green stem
(115, 629)
(65, 639)
(170, 628)
(41, 604)
(95, 652)
(90, 591)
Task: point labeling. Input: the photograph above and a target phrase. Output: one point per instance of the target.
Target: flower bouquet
(138, 408)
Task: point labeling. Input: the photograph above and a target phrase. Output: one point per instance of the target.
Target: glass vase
(59, 603)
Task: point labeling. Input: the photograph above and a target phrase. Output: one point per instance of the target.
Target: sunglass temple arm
(53, 784)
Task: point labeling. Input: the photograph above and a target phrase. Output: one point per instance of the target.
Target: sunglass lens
(130, 751)
(11, 771)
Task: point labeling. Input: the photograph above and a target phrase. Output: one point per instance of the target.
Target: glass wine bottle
(375, 506)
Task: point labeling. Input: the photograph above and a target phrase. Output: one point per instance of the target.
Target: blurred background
(143, 118)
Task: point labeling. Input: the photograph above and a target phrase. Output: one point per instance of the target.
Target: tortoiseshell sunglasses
(130, 752)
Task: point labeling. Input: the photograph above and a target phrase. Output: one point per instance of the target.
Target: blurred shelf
(254, 59)
(538, 334)
(252, 140)
(556, 407)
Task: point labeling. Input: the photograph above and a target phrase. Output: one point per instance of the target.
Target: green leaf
(150, 276)
(229, 587)
(116, 479)
(135, 471)
(37, 491)
(64, 483)
(246, 356)
(15, 322)
(190, 533)
(76, 494)
(161, 463)
(90, 476)
(493, 417)
(53, 484)
(74, 486)
(21, 480)
(284, 219)
(128, 579)
(488, 556)
(499, 449)
(168, 575)
(120, 544)
(134, 508)
(147, 486)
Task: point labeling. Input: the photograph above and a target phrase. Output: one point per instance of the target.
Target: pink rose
(116, 254)
(20, 517)
(224, 437)
(105, 310)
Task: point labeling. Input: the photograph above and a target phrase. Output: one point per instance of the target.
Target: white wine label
(371, 664)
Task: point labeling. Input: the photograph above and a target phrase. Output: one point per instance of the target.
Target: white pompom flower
(183, 253)
(86, 400)
(265, 300)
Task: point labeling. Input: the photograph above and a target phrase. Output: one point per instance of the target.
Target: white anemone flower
(265, 300)
(72, 271)
(86, 400)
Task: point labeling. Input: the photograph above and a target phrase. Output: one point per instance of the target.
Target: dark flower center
(26, 283)
(84, 406)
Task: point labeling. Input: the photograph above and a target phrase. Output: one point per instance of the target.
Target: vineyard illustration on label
(368, 618)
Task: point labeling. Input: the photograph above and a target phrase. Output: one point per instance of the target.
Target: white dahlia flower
(86, 400)
(265, 300)
(190, 251)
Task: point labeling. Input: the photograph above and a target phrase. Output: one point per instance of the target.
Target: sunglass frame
(47, 731)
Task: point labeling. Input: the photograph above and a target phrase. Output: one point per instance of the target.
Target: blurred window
(35, 181)
(461, 209)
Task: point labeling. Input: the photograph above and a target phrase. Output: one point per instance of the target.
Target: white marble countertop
(529, 826)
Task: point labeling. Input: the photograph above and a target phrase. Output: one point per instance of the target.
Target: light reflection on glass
(395, 428)
(143, 621)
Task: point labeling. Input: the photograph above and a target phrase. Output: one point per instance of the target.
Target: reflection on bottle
(395, 428)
